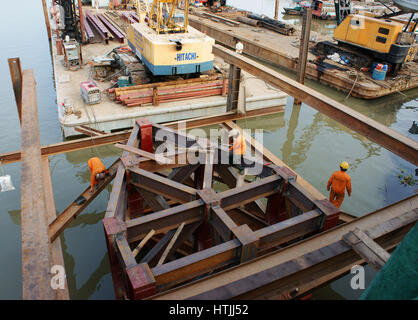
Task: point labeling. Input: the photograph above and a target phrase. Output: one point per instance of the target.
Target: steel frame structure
(218, 230)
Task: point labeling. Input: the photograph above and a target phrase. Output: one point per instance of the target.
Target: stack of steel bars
(104, 27)
(155, 93)
(127, 16)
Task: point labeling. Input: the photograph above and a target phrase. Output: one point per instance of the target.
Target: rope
(354, 84)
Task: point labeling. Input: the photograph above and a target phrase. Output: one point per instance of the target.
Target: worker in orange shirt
(339, 182)
(238, 148)
(98, 171)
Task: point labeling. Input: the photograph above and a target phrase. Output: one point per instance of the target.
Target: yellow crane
(167, 46)
(158, 21)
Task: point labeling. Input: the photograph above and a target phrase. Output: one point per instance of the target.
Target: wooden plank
(86, 131)
(367, 248)
(143, 243)
(154, 253)
(110, 138)
(57, 258)
(371, 129)
(184, 236)
(170, 244)
(36, 254)
(73, 209)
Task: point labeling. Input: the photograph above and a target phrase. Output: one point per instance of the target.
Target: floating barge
(283, 51)
(160, 104)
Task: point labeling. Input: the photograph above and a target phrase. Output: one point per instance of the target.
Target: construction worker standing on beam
(98, 171)
(237, 150)
(339, 182)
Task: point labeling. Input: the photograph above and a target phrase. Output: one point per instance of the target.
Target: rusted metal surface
(73, 210)
(367, 248)
(48, 28)
(304, 265)
(371, 129)
(36, 254)
(111, 138)
(98, 25)
(16, 75)
(203, 215)
(57, 258)
(115, 32)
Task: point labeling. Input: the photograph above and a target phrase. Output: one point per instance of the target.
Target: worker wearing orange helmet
(339, 182)
(98, 171)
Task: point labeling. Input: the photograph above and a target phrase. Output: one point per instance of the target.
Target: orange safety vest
(340, 181)
(239, 145)
(96, 166)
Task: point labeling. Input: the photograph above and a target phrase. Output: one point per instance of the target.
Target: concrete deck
(108, 115)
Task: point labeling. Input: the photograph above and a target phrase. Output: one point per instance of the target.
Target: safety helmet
(233, 133)
(344, 165)
(100, 175)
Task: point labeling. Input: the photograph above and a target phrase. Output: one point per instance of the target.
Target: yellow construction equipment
(166, 44)
(374, 39)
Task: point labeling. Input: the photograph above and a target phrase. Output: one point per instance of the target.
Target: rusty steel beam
(111, 138)
(309, 192)
(249, 192)
(36, 251)
(57, 258)
(118, 194)
(223, 223)
(74, 209)
(69, 146)
(16, 75)
(304, 265)
(160, 185)
(371, 129)
(164, 220)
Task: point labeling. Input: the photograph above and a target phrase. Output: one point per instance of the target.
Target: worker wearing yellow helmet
(338, 183)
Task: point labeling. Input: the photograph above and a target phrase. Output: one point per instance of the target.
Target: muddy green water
(308, 141)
